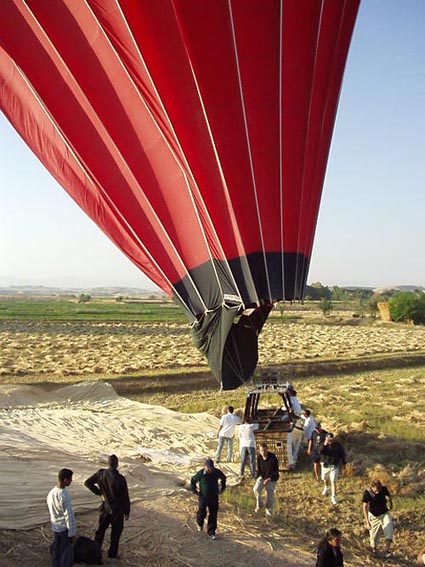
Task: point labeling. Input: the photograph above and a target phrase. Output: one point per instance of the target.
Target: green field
(71, 310)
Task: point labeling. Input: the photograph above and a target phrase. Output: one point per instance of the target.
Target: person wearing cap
(62, 520)
(111, 486)
(226, 433)
(332, 456)
(315, 444)
(212, 482)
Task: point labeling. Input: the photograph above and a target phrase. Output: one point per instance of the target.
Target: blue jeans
(61, 550)
(229, 441)
(245, 451)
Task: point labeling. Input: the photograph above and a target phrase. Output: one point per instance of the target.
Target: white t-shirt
(308, 426)
(246, 434)
(228, 422)
(60, 510)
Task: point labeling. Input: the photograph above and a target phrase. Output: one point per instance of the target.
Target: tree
(408, 306)
(338, 293)
(84, 298)
(373, 306)
(317, 291)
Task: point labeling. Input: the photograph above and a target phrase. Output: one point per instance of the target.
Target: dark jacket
(268, 468)
(333, 454)
(208, 483)
(112, 486)
(329, 556)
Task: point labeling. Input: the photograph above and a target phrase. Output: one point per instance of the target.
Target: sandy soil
(163, 533)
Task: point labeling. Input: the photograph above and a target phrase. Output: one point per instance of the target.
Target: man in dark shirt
(111, 486)
(208, 479)
(332, 456)
(376, 505)
(315, 444)
(267, 476)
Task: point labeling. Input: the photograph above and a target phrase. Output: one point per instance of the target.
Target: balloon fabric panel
(194, 134)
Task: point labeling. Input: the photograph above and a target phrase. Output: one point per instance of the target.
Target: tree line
(403, 306)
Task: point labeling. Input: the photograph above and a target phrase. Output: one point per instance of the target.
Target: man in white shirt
(62, 520)
(226, 433)
(308, 424)
(247, 445)
(294, 437)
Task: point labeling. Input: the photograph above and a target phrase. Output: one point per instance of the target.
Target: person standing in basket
(208, 479)
(267, 476)
(111, 486)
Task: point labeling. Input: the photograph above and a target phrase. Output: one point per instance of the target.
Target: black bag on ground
(87, 551)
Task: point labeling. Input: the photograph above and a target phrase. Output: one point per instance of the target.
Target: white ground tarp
(77, 427)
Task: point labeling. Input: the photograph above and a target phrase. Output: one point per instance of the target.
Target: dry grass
(72, 348)
(366, 383)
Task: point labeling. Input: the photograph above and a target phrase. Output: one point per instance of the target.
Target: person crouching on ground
(332, 456)
(62, 520)
(329, 552)
(377, 503)
(208, 479)
(111, 486)
(267, 476)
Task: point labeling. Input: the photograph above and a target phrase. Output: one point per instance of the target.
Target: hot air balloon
(195, 133)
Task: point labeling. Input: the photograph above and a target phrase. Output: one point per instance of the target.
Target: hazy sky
(371, 228)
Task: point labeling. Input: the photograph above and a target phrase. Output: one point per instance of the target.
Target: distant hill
(133, 292)
(113, 291)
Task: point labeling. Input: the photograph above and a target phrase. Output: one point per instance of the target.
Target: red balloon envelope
(194, 133)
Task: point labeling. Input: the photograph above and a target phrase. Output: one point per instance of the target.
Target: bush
(326, 306)
(408, 307)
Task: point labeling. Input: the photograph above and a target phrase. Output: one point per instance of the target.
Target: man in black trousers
(111, 486)
(208, 479)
